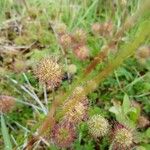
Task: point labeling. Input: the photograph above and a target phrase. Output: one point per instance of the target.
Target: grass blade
(7, 142)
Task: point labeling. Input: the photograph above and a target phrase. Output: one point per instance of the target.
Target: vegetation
(75, 74)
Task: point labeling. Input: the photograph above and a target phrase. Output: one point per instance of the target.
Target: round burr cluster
(63, 134)
(76, 112)
(60, 28)
(65, 40)
(7, 103)
(81, 52)
(49, 72)
(98, 126)
(122, 138)
(79, 36)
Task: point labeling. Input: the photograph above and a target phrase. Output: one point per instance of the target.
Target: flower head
(63, 134)
(98, 126)
(79, 36)
(65, 40)
(49, 72)
(122, 137)
(60, 28)
(7, 103)
(76, 112)
(81, 52)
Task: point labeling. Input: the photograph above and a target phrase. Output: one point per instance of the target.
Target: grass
(122, 97)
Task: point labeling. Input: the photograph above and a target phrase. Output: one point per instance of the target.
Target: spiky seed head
(98, 126)
(49, 72)
(79, 36)
(143, 54)
(76, 112)
(63, 134)
(122, 138)
(81, 52)
(60, 28)
(7, 103)
(65, 40)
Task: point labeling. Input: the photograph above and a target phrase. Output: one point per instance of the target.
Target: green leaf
(148, 132)
(114, 110)
(140, 148)
(126, 104)
(94, 110)
(134, 114)
(8, 145)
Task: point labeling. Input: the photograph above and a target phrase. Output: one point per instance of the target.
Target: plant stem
(127, 50)
(129, 22)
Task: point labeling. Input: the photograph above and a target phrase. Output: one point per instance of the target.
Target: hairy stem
(129, 22)
(127, 50)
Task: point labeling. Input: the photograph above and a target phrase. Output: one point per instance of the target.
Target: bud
(72, 69)
(49, 72)
(98, 126)
(143, 122)
(65, 40)
(143, 54)
(123, 2)
(81, 52)
(60, 28)
(7, 103)
(63, 134)
(79, 36)
(122, 138)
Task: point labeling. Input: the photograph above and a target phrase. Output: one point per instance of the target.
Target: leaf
(148, 132)
(140, 148)
(94, 110)
(8, 145)
(134, 114)
(126, 104)
(114, 110)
